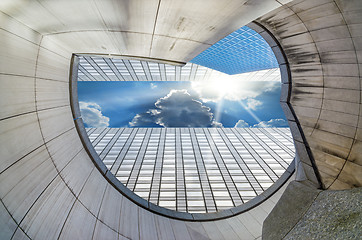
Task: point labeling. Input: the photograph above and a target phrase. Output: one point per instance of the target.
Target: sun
(218, 89)
(223, 87)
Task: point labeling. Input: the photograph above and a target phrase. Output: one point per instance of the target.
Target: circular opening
(243, 165)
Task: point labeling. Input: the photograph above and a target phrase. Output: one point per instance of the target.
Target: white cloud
(234, 90)
(177, 109)
(252, 103)
(264, 124)
(272, 123)
(241, 124)
(92, 115)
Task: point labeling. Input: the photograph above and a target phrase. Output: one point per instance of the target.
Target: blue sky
(181, 104)
(226, 100)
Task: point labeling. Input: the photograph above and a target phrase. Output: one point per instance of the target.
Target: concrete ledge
(332, 215)
(304, 212)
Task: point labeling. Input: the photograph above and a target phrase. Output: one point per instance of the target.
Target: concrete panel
(349, 5)
(343, 118)
(339, 57)
(49, 43)
(133, 44)
(77, 171)
(46, 217)
(32, 14)
(62, 153)
(51, 94)
(301, 6)
(325, 21)
(181, 231)
(110, 212)
(307, 70)
(17, 95)
(164, 229)
(334, 70)
(328, 163)
(327, 179)
(55, 121)
(341, 106)
(308, 112)
(302, 54)
(102, 231)
(351, 174)
(174, 48)
(22, 168)
(253, 226)
(293, 28)
(321, 9)
(355, 155)
(331, 141)
(51, 65)
(196, 230)
(341, 82)
(299, 39)
(336, 128)
(130, 16)
(15, 27)
(92, 193)
(129, 225)
(7, 224)
(25, 181)
(226, 230)
(18, 131)
(20, 235)
(147, 225)
(212, 231)
(357, 41)
(307, 92)
(344, 44)
(85, 42)
(316, 81)
(79, 224)
(240, 229)
(15, 52)
(277, 15)
(301, 99)
(352, 16)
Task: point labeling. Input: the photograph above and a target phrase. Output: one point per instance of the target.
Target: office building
(195, 169)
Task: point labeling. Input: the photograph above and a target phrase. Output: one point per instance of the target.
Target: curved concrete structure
(323, 42)
(45, 196)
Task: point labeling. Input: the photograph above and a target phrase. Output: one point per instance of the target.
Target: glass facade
(108, 69)
(241, 51)
(195, 170)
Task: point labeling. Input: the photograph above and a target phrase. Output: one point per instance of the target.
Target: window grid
(195, 170)
(92, 68)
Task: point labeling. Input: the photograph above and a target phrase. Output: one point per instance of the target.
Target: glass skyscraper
(195, 169)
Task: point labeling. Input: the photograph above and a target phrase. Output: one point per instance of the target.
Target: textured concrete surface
(291, 207)
(333, 215)
(304, 212)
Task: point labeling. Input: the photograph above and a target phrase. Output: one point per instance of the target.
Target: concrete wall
(43, 193)
(323, 44)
